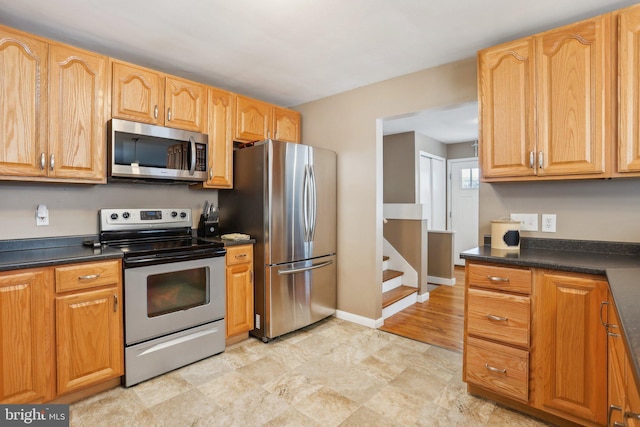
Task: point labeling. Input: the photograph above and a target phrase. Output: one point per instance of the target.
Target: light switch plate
(528, 222)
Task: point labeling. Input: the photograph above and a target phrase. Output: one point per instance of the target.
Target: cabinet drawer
(239, 254)
(502, 369)
(500, 278)
(88, 275)
(497, 316)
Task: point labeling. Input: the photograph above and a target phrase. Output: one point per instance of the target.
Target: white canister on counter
(505, 234)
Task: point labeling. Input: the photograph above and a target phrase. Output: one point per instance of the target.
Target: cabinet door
(507, 105)
(252, 119)
(629, 83)
(571, 345)
(286, 124)
(137, 94)
(185, 103)
(220, 122)
(25, 337)
(78, 85)
(574, 97)
(616, 361)
(23, 121)
(89, 343)
(239, 299)
(632, 410)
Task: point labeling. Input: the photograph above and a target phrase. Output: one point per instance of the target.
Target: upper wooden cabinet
(507, 103)
(144, 95)
(285, 124)
(219, 128)
(77, 90)
(23, 123)
(629, 83)
(53, 111)
(258, 120)
(546, 104)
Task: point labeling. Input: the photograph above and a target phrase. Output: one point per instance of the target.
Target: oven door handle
(172, 257)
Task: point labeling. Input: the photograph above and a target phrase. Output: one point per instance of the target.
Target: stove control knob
(174, 214)
(183, 214)
(114, 216)
(125, 215)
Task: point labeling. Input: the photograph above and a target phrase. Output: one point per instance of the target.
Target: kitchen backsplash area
(73, 209)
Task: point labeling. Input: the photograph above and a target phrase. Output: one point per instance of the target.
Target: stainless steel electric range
(174, 290)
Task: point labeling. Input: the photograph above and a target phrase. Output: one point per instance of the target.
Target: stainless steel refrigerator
(284, 196)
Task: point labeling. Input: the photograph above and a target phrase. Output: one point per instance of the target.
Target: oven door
(165, 298)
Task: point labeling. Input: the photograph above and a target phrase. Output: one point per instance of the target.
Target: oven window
(177, 290)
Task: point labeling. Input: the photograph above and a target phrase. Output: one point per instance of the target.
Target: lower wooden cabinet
(25, 336)
(622, 390)
(571, 364)
(545, 352)
(60, 324)
(239, 289)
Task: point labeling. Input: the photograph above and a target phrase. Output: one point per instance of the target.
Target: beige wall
(461, 150)
(409, 238)
(348, 124)
(399, 168)
(73, 209)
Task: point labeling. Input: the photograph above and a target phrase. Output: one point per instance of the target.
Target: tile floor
(334, 373)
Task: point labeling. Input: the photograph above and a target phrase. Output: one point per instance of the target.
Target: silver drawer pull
(241, 256)
(613, 335)
(632, 415)
(496, 318)
(494, 369)
(89, 277)
(496, 279)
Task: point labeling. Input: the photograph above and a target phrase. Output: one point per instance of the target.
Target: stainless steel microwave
(143, 151)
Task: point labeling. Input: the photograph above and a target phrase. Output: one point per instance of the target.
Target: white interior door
(464, 180)
(433, 190)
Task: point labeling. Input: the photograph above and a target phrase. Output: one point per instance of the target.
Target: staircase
(395, 296)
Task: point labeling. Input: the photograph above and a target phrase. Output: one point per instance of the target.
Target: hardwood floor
(438, 321)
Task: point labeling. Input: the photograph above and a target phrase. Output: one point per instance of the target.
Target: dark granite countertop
(620, 262)
(32, 253)
(228, 242)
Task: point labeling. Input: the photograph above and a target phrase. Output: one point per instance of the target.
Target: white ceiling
(290, 52)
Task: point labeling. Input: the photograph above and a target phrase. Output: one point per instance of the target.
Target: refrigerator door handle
(306, 214)
(300, 270)
(314, 204)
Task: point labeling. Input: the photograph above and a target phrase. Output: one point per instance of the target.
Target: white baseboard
(424, 297)
(441, 280)
(360, 320)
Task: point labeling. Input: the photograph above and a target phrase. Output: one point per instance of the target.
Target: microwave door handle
(192, 143)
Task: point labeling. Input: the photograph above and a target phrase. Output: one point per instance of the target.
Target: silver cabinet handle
(52, 161)
(42, 161)
(169, 114)
(115, 303)
(541, 160)
(602, 304)
(496, 318)
(532, 156)
(496, 279)
(241, 256)
(610, 414)
(89, 277)
(155, 112)
(494, 369)
(632, 415)
(210, 173)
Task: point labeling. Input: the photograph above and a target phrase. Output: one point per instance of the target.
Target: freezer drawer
(298, 294)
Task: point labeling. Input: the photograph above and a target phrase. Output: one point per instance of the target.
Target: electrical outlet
(528, 222)
(42, 215)
(549, 223)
